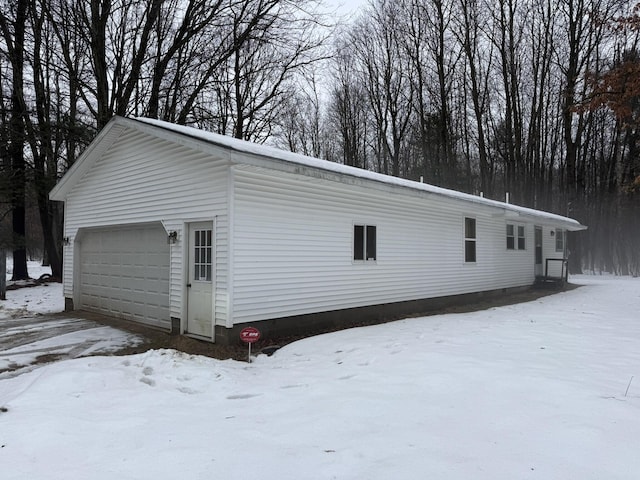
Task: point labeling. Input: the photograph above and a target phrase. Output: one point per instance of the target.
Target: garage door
(124, 272)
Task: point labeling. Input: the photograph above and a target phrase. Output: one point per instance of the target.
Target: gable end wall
(167, 183)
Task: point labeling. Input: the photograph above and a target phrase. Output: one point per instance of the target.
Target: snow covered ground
(40, 300)
(542, 390)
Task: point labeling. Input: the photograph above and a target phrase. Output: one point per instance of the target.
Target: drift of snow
(540, 390)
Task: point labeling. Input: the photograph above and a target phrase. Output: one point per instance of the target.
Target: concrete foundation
(351, 317)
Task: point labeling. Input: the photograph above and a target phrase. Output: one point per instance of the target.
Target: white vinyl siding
(144, 179)
(293, 249)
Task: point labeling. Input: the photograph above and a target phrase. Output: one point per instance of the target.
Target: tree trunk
(100, 11)
(3, 274)
(15, 43)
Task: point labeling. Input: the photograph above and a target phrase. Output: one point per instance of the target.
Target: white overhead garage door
(124, 272)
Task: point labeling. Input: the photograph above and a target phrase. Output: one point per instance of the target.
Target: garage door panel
(124, 272)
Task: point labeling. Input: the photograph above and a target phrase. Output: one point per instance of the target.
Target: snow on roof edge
(296, 158)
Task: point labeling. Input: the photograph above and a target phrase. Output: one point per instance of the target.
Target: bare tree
(434, 54)
(348, 110)
(585, 22)
(301, 127)
(469, 28)
(386, 76)
(272, 45)
(13, 31)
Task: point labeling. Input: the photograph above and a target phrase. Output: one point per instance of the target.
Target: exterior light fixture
(66, 241)
(552, 233)
(172, 237)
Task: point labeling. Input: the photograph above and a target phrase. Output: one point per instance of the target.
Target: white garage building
(180, 228)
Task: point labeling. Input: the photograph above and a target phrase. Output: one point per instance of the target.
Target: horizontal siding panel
(293, 247)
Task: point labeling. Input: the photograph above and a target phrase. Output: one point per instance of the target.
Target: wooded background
(536, 98)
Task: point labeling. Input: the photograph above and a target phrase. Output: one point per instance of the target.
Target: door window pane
(202, 255)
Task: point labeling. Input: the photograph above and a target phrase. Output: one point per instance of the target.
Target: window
(364, 242)
(521, 238)
(511, 237)
(469, 239)
(559, 240)
(202, 256)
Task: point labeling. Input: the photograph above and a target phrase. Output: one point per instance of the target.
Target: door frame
(186, 272)
(538, 268)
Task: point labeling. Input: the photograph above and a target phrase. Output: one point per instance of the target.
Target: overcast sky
(346, 6)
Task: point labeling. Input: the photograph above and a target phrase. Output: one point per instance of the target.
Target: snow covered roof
(59, 192)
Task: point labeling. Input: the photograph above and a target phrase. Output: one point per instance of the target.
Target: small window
(511, 238)
(559, 240)
(469, 239)
(521, 238)
(202, 263)
(364, 242)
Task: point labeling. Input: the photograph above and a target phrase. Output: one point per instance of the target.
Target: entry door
(200, 280)
(538, 243)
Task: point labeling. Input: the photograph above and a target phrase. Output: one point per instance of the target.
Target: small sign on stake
(249, 335)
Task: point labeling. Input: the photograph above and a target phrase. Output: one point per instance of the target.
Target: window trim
(511, 236)
(366, 246)
(470, 240)
(517, 240)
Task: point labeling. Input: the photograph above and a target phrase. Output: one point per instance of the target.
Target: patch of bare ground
(156, 339)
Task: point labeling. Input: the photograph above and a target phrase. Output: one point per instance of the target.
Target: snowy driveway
(33, 331)
(26, 342)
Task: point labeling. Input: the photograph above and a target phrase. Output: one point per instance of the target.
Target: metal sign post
(249, 335)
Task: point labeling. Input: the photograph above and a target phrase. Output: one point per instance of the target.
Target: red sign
(249, 335)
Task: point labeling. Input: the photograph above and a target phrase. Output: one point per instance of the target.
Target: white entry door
(538, 251)
(200, 280)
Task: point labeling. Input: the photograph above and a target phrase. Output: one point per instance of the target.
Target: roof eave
(107, 136)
